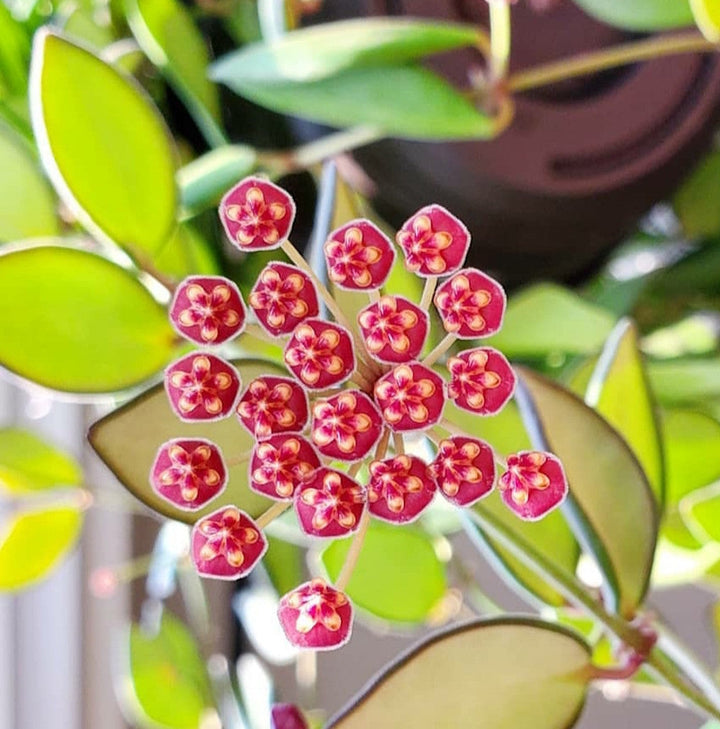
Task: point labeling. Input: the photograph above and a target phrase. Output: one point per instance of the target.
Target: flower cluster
(353, 394)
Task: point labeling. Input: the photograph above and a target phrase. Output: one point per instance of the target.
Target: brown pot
(582, 161)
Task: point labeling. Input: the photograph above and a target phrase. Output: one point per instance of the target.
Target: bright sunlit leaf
(111, 160)
(78, 322)
(707, 17)
(398, 576)
(509, 673)
(128, 439)
(32, 544)
(167, 685)
(611, 507)
(29, 464)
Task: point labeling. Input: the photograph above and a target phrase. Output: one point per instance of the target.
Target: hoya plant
(329, 409)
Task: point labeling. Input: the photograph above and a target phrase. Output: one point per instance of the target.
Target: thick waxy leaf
(610, 506)
(111, 160)
(186, 253)
(406, 101)
(167, 684)
(685, 381)
(510, 673)
(128, 439)
(692, 444)
(701, 511)
(326, 50)
(619, 391)
(29, 464)
(548, 318)
(707, 17)
(32, 543)
(398, 576)
(697, 202)
(640, 14)
(14, 54)
(166, 31)
(27, 202)
(79, 323)
(551, 536)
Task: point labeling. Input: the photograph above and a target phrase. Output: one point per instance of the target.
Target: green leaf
(167, 684)
(27, 202)
(29, 464)
(701, 512)
(128, 439)
(165, 30)
(692, 442)
(317, 53)
(111, 160)
(697, 202)
(283, 563)
(640, 15)
(509, 673)
(707, 17)
(548, 318)
(405, 101)
(14, 55)
(684, 381)
(619, 391)
(611, 507)
(78, 322)
(398, 576)
(551, 536)
(33, 544)
(186, 253)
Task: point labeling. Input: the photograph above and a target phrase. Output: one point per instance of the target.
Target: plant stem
(312, 153)
(353, 553)
(272, 513)
(499, 38)
(665, 667)
(581, 65)
(445, 343)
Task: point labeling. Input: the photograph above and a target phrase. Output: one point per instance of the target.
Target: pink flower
(282, 297)
(287, 716)
(482, 380)
(316, 615)
(434, 242)
(257, 214)
(227, 544)
(410, 397)
(202, 387)
(400, 488)
(207, 309)
(280, 464)
(471, 304)
(188, 472)
(464, 469)
(534, 484)
(394, 329)
(320, 354)
(273, 405)
(329, 504)
(359, 256)
(346, 426)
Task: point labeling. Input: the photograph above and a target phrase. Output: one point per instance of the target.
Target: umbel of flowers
(348, 399)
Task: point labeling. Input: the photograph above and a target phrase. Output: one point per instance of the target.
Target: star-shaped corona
(356, 429)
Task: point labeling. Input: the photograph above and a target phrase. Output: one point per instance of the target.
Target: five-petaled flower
(202, 387)
(534, 484)
(346, 426)
(434, 241)
(227, 544)
(257, 214)
(471, 304)
(400, 488)
(365, 391)
(329, 504)
(207, 309)
(316, 615)
(410, 397)
(189, 472)
(280, 464)
(282, 297)
(273, 405)
(394, 329)
(359, 256)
